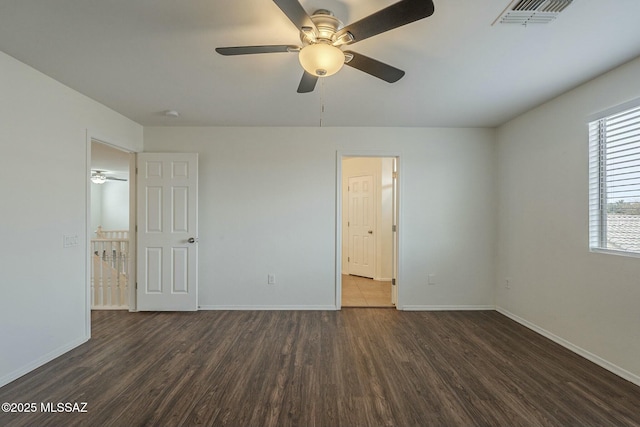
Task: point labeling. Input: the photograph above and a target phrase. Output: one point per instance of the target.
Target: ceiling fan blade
(398, 14)
(111, 178)
(249, 50)
(374, 67)
(296, 14)
(307, 83)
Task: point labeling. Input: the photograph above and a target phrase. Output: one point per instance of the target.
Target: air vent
(525, 12)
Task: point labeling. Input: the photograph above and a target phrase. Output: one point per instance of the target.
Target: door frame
(92, 136)
(397, 261)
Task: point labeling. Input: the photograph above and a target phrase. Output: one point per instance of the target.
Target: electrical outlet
(271, 279)
(507, 283)
(431, 279)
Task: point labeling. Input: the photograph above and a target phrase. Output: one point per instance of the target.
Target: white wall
(96, 207)
(268, 205)
(110, 206)
(590, 300)
(43, 180)
(115, 205)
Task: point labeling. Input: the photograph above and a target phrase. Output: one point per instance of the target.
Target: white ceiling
(142, 57)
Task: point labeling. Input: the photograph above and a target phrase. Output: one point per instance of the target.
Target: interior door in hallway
(361, 223)
(167, 232)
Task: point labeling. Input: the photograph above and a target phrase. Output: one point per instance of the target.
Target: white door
(167, 232)
(361, 224)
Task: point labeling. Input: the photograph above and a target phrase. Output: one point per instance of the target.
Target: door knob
(370, 231)
(191, 240)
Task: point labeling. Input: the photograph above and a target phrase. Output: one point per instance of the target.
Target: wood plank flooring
(374, 367)
(363, 292)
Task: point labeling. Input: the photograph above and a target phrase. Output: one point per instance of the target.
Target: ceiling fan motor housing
(327, 25)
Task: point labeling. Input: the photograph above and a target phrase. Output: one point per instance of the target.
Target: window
(614, 181)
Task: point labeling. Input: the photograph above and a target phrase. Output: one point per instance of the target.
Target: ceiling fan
(323, 36)
(100, 177)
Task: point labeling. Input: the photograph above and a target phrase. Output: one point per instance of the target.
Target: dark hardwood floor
(355, 367)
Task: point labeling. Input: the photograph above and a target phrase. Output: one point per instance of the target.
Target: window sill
(614, 252)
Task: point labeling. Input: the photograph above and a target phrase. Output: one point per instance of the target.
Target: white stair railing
(111, 234)
(110, 272)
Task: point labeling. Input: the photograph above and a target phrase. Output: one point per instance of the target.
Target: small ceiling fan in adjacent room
(100, 177)
(323, 36)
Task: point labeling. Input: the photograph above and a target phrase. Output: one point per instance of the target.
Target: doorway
(368, 237)
(111, 249)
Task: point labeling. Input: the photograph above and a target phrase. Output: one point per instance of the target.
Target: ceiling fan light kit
(99, 177)
(323, 35)
(321, 59)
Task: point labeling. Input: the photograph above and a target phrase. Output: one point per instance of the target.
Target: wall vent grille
(525, 12)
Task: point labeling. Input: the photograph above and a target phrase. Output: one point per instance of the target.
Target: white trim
(623, 373)
(12, 376)
(338, 242)
(448, 307)
(614, 252)
(133, 235)
(268, 307)
(87, 223)
(613, 110)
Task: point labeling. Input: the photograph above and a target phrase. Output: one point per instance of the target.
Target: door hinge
(348, 259)
(136, 286)
(136, 228)
(393, 282)
(348, 188)
(348, 223)
(395, 174)
(394, 228)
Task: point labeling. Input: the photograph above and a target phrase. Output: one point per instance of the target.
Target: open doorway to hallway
(111, 249)
(369, 224)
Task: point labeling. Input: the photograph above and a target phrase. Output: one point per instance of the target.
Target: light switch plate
(69, 241)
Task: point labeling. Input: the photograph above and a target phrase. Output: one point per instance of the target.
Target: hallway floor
(363, 292)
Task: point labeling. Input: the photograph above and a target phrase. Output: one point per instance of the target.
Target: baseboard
(447, 307)
(268, 307)
(12, 376)
(623, 373)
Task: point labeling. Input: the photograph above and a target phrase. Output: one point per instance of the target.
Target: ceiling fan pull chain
(321, 101)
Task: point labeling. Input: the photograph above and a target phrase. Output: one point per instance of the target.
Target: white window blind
(614, 182)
